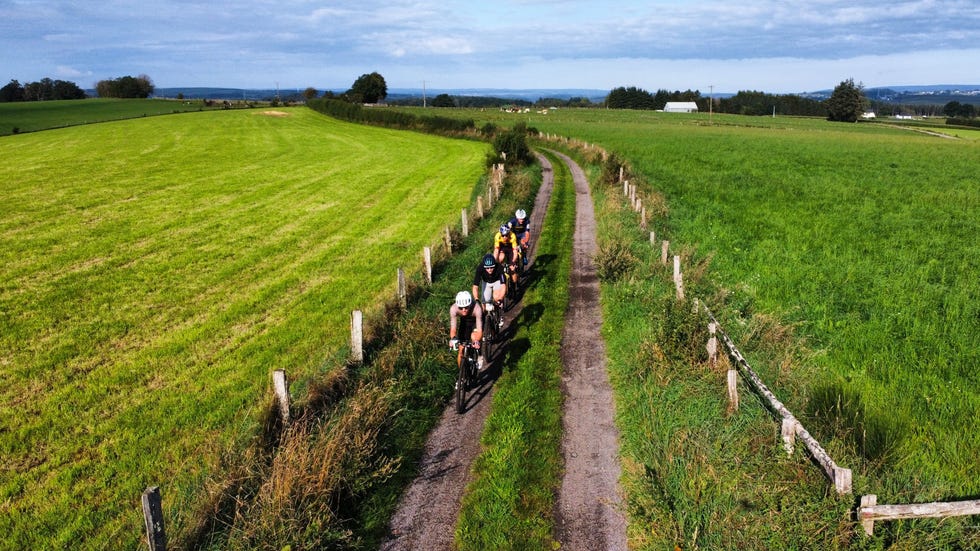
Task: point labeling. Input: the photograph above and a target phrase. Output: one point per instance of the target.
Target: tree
(370, 88)
(847, 102)
(13, 91)
(443, 100)
(125, 87)
(310, 93)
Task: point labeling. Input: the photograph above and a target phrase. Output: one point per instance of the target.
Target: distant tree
(125, 87)
(369, 88)
(443, 100)
(955, 109)
(310, 93)
(630, 98)
(846, 103)
(13, 91)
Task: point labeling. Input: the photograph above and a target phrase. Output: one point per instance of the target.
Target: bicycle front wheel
(460, 395)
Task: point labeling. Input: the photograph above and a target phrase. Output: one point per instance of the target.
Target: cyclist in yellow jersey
(505, 249)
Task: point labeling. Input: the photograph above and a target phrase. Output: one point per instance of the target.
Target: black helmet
(488, 261)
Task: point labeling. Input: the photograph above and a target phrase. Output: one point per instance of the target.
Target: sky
(786, 46)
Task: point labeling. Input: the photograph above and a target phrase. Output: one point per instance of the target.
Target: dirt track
(588, 513)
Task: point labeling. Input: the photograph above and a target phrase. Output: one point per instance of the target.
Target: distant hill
(939, 94)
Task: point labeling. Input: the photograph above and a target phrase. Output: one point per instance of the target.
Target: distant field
(154, 272)
(30, 116)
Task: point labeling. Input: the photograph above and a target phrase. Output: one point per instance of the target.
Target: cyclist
(490, 282)
(521, 227)
(470, 323)
(505, 249)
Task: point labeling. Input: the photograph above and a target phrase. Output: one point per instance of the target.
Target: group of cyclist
(496, 271)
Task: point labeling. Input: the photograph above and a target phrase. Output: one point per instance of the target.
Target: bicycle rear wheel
(460, 394)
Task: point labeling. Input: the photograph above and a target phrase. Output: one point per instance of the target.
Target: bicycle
(491, 328)
(467, 373)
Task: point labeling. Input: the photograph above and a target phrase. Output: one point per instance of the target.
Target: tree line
(42, 90)
(47, 89)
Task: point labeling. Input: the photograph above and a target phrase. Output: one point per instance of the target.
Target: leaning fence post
(153, 516)
(466, 223)
(402, 291)
(281, 387)
(357, 336)
(843, 480)
(427, 258)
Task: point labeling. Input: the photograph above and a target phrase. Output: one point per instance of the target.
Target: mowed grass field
(31, 116)
(156, 271)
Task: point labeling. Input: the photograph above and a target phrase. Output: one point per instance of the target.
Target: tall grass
(156, 271)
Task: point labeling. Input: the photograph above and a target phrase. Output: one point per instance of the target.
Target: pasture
(31, 116)
(155, 271)
(855, 243)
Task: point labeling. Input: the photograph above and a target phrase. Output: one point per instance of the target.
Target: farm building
(681, 107)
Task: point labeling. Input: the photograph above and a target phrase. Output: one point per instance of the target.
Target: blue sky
(773, 46)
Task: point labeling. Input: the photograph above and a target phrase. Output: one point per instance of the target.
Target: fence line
(791, 427)
(869, 511)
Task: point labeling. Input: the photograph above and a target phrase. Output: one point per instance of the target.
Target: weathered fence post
(479, 207)
(626, 188)
(449, 241)
(402, 290)
(664, 247)
(357, 336)
(153, 516)
(869, 500)
(281, 387)
(489, 197)
(427, 258)
(466, 223)
(643, 217)
(620, 173)
(788, 432)
(678, 278)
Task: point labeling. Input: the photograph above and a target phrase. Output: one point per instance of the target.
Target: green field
(843, 259)
(31, 116)
(156, 271)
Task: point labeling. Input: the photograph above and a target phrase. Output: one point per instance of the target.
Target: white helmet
(463, 299)
(520, 214)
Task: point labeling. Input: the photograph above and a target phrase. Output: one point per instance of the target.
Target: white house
(681, 107)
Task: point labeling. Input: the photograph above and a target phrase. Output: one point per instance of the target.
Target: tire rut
(429, 508)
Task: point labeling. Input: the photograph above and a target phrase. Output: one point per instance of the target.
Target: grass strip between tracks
(509, 503)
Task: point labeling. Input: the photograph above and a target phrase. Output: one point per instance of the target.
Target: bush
(614, 261)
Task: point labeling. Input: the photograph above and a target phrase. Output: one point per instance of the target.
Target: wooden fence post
(788, 432)
(626, 188)
(402, 290)
(643, 217)
(281, 387)
(449, 241)
(427, 258)
(489, 197)
(620, 173)
(466, 223)
(357, 336)
(479, 207)
(869, 500)
(153, 517)
(653, 238)
(678, 278)
(664, 247)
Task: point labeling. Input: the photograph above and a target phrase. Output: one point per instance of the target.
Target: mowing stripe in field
(154, 272)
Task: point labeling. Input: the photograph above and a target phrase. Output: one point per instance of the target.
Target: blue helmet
(488, 261)
(504, 230)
